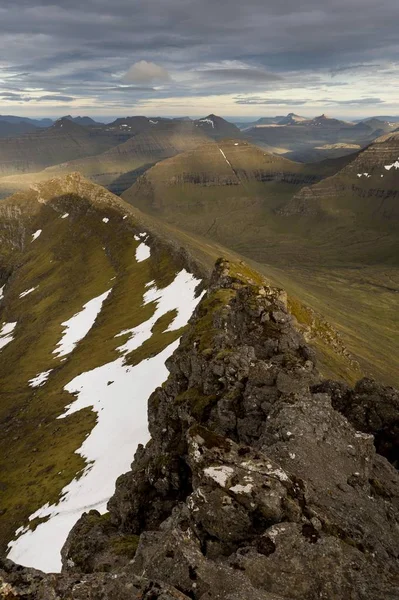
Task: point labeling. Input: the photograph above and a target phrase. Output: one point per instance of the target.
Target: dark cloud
(87, 49)
(56, 98)
(345, 69)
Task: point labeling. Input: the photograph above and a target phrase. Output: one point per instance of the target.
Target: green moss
(203, 332)
(125, 545)
(223, 354)
(198, 403)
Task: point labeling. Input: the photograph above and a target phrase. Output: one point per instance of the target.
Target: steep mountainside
(363, 197)
(200, 188)
(240, 197)
(261, 481)
(92, 304)
(65, 140)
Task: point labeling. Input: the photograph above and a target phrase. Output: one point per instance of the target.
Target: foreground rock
(256, 483)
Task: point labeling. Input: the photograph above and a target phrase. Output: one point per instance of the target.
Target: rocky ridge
(260, 481)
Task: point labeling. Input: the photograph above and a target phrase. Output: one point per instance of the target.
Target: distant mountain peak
(66, 124)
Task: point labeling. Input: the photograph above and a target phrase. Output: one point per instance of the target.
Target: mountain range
(267, 465)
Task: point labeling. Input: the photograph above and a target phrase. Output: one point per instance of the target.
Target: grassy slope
(119, 167)
(70, 266)
(342, 268)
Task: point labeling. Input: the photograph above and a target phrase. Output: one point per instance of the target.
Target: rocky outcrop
(260, 481)
(371, 408)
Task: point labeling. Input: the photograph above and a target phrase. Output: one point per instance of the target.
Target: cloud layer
(129, 55)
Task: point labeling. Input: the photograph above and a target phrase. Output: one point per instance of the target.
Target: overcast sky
(193, 57)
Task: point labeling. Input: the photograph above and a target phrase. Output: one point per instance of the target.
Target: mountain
(84, 121)
(119, 167)
(133, 125)
(15, 129)
(364, 195)
(388, 119)
(64, 140)
(324, 121)
(312, 140)
(35, 122)
(216, 127)
(261, 480)
(291, 119)
(239, 175)
(345, 267)
(260, 122)
(86, 292)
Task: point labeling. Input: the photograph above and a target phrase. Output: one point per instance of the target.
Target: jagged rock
(17, 583)
(371, 408)
(95, 545)
(257, 482)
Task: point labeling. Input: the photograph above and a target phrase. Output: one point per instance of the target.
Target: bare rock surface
(261, 481)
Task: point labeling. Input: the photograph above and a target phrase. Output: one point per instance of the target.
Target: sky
(194, 57)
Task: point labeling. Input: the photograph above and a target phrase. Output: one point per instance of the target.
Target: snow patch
(79, 325)
(65, 215)
(105, 220)
(40, 379)
(394, 165)
(5, 334)
(2, 291)
(225, 157)
(153, 122)
(208, 121)
(121, 409)
(143, 252)
(27, 292)
(36, 234)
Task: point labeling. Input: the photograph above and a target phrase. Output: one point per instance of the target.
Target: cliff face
(254, 484)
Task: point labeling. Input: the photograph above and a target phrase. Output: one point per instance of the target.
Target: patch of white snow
(225, 157)
(105, 220)
(65, 215)
(394, 165)
(121, 425)
(36, 234)
(27, 292)
(79, 325)
(208, 121)
(5, 334)
(40, 379)
(143, 252)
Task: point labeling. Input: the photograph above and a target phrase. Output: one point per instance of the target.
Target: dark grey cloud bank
(86, 49)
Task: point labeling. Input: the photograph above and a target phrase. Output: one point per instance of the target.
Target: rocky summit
(261, 481)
